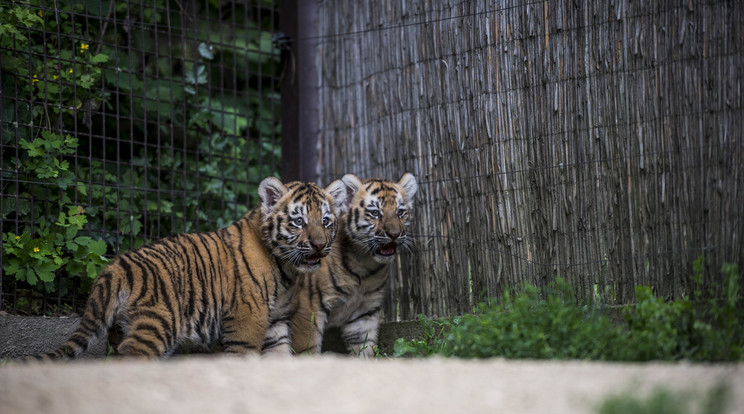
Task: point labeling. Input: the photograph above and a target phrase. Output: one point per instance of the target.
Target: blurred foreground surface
(227, 384)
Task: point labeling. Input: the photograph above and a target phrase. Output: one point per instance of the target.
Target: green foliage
(378, 354)
(15, 18)
(433, 339)
(664, 401)
(45, 157)
(37, 260)
(710, 330)
(523, 325)
(62, 73)
(551, 324)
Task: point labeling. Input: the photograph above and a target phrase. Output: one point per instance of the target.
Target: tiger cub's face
(299, 220)
(378, 214)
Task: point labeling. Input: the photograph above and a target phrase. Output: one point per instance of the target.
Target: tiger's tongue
(312, 259)
(387, 249)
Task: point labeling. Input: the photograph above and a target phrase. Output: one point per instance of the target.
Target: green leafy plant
(45, 157)
(63, 73)
(14, 19)
(531, 323)
(709, 330)
(523, 325)
(38, 260)
(433, 340)
(378, 354)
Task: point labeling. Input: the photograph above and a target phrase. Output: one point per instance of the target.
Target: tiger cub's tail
(97, 319)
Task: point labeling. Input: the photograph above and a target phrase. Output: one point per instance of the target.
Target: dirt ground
(330, 384)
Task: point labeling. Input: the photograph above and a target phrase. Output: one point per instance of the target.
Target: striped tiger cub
(216, 288)
(348, 290)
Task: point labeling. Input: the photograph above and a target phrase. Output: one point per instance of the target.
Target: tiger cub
(216, 288)
(348, 290)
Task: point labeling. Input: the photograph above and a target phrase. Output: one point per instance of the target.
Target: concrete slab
(327, 384)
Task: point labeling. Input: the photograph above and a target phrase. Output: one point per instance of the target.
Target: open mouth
(387, 250)
(312, 260)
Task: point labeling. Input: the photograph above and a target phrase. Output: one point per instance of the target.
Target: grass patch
(552, 324)
(664, 401)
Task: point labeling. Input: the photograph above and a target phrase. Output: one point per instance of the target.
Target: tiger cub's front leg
(276, 341)
(360, 333)
(307, 327)
(240, 340)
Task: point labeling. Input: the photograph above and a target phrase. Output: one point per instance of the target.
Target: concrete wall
(31, 335)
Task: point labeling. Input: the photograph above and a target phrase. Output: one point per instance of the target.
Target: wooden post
(300, 131)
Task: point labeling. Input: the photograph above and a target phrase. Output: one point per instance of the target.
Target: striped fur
(348, 290)
(213, 289)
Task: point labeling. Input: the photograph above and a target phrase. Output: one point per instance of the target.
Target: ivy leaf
(206, 51)
(74, 268)
(91, 270)
(99, 58)
(71, 232)
(83, 240)
(136, 226)
(71, 144)
(78, 220)
(64, 165)
(200, 78)
(85, 81)
(28, 275)
(45, 271)
(71, 245)
(32, 147)
(97, 247)
(12, 268)
(93, 267)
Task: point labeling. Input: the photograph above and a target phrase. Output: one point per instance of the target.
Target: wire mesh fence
(123, 122)
(598, 141)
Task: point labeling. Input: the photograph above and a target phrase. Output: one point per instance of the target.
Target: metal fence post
(300, 111)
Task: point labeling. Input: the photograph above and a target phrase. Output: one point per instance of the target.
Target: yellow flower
(83, 47)
(70, 70)
(40, 13)
(35, 79)
(18, 237)
(36, 250)
(55, 77)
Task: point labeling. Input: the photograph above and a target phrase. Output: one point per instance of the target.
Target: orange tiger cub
(218, 288)
(348, 290)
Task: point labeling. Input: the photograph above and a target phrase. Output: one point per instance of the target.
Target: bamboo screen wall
(599, 141)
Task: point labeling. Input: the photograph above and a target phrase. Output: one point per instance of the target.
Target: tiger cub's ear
(409, 184)
(352, 185)
(270, 191)
(337, 190)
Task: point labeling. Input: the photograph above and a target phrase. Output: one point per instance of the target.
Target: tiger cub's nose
(393, 234)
